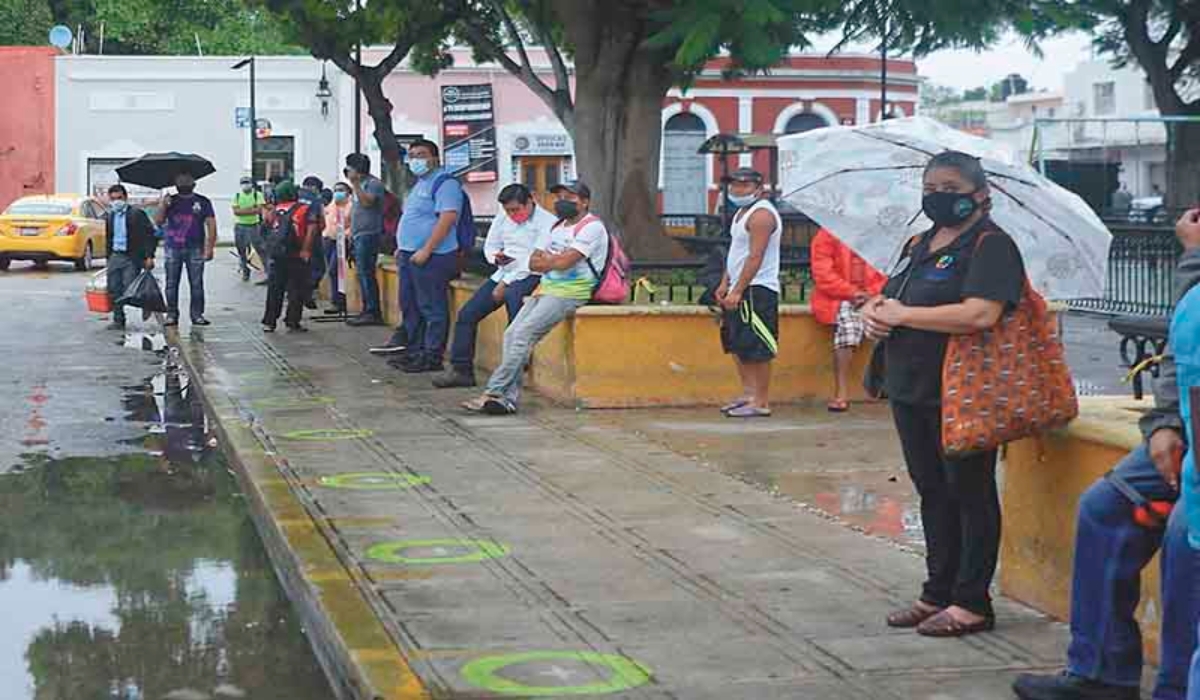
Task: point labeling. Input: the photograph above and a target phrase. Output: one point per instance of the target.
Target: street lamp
(324, 94)
(723, 145)
(253, 126)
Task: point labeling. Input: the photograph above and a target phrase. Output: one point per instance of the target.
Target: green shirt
(242, 200)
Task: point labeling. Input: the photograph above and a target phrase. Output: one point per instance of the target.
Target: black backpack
(280, 238)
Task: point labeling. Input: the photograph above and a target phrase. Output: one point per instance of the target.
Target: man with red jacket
(843, 283)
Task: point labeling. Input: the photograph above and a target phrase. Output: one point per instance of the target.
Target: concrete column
(745, 126)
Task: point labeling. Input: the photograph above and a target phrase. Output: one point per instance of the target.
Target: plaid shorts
(851, 329)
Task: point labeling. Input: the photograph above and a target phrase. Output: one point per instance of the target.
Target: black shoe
(170, 321)
(423, 367)
(394, 345)
(1067, 686)
(268, 327)
(310, 305)
(455, 379)
(296, 328)
(245, 275)
(201, 321)
(365, 320)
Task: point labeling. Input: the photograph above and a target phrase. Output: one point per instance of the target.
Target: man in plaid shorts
(843, 283)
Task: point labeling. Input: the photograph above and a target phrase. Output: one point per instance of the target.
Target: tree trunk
(379, 108)
(1183, 177)
(619, 92)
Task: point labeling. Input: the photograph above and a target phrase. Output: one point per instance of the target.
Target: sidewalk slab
(561, 553)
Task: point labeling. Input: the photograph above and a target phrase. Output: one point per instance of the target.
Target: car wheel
(4, 263)
(85, 263)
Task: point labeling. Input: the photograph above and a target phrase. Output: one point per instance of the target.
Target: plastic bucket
(98, 301)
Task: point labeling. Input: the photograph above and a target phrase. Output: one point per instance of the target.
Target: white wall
(118, 107)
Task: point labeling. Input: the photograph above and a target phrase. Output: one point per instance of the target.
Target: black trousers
(291, 276)
(960, 512)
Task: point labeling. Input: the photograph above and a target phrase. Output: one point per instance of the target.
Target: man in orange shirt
(843, 283)
(294, 226)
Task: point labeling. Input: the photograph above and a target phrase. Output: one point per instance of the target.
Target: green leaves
(25, 23)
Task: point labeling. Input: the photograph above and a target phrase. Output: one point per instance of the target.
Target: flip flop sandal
(944, 626)
(911, 616)
(837, 406)
(734, 405)
(749, 412)
(498, 407)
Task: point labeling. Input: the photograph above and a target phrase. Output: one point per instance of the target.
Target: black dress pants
(293, 277)
(960, 512)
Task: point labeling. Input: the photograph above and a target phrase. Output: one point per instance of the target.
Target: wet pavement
(129, 566)
(630, 554)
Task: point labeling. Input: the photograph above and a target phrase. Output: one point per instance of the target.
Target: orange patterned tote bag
(1006, 383)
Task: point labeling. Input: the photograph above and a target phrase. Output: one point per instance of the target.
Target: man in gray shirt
(366, 232)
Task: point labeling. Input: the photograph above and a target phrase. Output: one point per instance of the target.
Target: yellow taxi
(44, 228)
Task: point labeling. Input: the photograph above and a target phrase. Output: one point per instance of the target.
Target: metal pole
(253, 120)
(358, 89)
(883, 51)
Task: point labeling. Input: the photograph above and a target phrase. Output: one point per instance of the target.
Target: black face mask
(949, 208)
(566, 209)
(185, 189)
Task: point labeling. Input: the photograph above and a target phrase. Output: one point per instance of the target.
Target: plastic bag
(144, 293)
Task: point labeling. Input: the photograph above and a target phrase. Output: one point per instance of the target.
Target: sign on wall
(102, 173)
(469, 132)
(542, 144)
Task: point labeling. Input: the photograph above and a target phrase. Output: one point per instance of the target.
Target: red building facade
(805, 92)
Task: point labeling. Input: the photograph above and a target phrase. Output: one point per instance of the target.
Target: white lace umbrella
(863, 184)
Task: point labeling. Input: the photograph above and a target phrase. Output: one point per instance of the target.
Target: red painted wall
(27, 125)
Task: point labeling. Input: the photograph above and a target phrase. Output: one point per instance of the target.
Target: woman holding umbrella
(958, 278)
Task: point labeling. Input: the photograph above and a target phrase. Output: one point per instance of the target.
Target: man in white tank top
(749, 293)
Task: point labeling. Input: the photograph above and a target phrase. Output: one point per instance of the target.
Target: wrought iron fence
(681, 283)
(1141, 267)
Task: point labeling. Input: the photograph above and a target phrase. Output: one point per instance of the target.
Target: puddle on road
(873, 502)
(141, 576)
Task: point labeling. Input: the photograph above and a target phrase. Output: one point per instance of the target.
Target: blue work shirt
(421, 210)
(1184, 338)
(120, 232)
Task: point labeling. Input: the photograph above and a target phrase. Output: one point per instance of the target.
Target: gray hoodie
(1165, 413)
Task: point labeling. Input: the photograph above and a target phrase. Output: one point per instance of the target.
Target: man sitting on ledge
(1104, 661)
(569, 260)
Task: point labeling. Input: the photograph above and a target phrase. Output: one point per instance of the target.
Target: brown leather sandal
(944, 625)
(912, 616)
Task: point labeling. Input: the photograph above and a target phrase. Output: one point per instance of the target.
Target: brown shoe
(945, 625)
(912, 616)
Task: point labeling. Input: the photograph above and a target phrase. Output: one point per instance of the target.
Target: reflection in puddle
(141, 340)
(872, 501)
(141, 576)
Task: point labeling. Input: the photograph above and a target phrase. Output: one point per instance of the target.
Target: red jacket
(838, 274)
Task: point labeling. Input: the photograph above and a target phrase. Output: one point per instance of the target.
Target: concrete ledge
(357, 653)
(1043, 481)
(649, 354)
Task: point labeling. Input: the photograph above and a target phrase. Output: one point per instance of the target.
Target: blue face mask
(744, 200)
(418, 166)
(339, 196)
(119, 205)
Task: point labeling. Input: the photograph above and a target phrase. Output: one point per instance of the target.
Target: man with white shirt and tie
(510, 242)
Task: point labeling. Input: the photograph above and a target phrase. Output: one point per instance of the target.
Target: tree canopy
(148, 27)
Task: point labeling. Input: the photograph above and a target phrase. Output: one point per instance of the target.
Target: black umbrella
(159, 170)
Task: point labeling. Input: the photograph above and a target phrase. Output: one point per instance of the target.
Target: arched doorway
(685, 179)
(805, 121)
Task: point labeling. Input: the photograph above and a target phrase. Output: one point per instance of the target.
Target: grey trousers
(538, 316)
(121, 271)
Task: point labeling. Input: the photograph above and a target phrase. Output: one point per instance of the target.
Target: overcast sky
(968, 69)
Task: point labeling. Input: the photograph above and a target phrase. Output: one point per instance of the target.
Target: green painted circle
(626, 674)
(328, 434)
(373, 481)
(284, 402)
(389, 552)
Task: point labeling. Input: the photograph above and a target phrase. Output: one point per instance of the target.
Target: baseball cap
(578, 187)
(314, 182)
(285, 191)
(246, 180)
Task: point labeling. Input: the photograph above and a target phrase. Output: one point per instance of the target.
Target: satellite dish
(61, 36)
